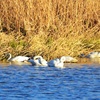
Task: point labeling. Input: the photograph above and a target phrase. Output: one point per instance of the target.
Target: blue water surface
(81, 82)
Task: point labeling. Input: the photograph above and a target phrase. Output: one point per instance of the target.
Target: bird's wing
(20, 58)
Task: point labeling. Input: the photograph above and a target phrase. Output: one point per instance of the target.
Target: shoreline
(81, 61)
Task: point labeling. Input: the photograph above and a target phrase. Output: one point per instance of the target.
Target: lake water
(76, 82)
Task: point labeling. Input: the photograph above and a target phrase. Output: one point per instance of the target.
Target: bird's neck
(9, 57)
(37, 57)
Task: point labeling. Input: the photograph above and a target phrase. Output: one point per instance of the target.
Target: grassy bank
(49, 28)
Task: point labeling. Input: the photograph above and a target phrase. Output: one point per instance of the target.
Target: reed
(51, 28)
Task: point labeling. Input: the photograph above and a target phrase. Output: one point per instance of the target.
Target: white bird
(17, 58)
(59, 63)
(93, 55)
(69, 59)
(38, 61)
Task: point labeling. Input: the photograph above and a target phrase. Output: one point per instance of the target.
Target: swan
(59, 63)
(94, 54)
(70, 59)
(17, 58)
(38, 61)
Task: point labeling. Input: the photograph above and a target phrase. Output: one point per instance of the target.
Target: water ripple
(31, 83)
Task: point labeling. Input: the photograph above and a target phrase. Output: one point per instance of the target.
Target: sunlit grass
(49, 28)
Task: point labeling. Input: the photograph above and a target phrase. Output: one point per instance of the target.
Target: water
(76, 82)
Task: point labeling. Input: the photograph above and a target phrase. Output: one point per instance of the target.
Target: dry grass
(51, 28)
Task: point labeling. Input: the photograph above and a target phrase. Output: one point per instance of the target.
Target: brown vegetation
(51, 28)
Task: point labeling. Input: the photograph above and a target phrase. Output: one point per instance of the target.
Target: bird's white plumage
(70, 59)
(53, 63)
(93, 55)
(38, 61)
(59, 63)
(18, 58)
